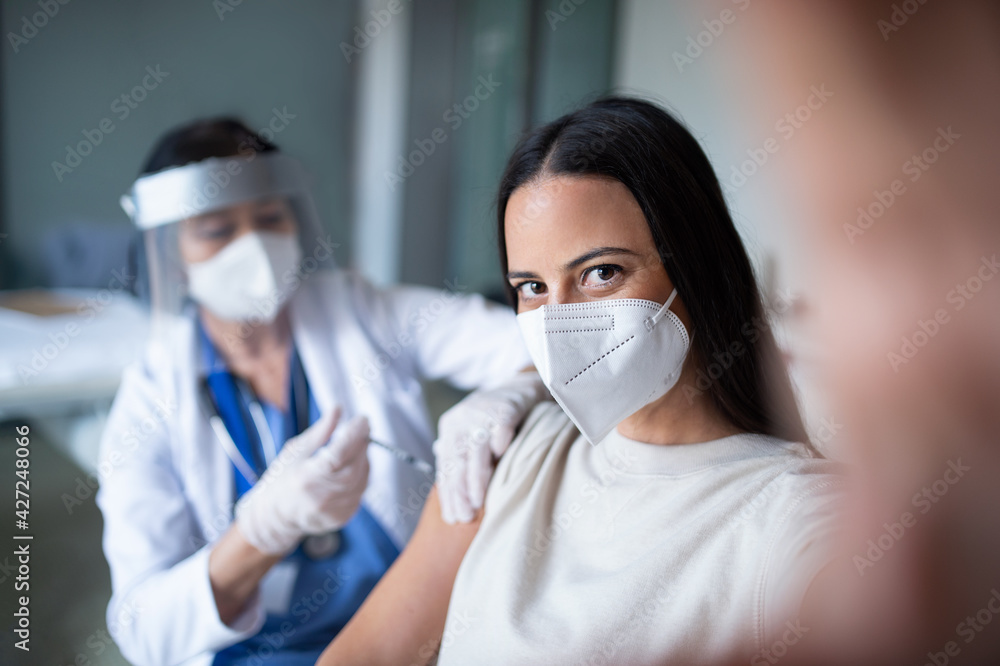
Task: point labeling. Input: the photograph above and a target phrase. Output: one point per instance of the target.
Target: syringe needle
(421, 465)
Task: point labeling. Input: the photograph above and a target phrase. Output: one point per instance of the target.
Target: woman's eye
(215, 231)
(530, 289)
(600, 275)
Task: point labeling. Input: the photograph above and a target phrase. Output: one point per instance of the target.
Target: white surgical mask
(243, 282)
(603, 361)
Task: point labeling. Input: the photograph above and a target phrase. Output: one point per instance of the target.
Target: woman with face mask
(669, 509)
(244, 516)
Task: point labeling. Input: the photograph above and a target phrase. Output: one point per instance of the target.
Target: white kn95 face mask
(602, 361)
(244, 280)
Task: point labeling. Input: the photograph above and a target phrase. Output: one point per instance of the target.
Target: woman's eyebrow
(582, 259)
(595, 253)
(520, 275)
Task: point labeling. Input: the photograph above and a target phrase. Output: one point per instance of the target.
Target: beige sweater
(632, 553)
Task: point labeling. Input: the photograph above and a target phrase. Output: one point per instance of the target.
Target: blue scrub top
(326, 592)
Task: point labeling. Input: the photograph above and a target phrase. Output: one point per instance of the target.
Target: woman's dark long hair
(650, 152)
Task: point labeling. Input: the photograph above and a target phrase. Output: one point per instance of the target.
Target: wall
(656, 58)
(216, 58)
(483, 73)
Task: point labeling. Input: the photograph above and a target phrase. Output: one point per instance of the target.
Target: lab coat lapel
(315, 330)
(208, 472)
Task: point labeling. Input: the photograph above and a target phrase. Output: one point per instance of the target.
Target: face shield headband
(181, 192)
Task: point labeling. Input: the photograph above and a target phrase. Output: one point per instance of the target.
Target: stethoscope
(316, 546)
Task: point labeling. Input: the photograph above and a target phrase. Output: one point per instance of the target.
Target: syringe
(421, 465)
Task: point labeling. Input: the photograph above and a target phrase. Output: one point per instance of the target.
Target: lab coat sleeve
(460, 337)
(162, 609)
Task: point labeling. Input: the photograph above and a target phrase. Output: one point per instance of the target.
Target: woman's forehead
(564, 215)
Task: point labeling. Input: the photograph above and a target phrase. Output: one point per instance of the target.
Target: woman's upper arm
(402, 620)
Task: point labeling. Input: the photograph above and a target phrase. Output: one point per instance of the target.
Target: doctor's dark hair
(202, 139)
(646, 149)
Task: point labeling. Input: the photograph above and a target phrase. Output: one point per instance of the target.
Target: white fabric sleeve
(162, 609)
(545, 427)
(463, 338)
(804, 542)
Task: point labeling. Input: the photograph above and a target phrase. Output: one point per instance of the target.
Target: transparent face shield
(236, 235)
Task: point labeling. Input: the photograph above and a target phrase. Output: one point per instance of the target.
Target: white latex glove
(301, 493)
(474, 432)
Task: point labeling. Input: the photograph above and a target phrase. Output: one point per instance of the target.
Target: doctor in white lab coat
(222, 551)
